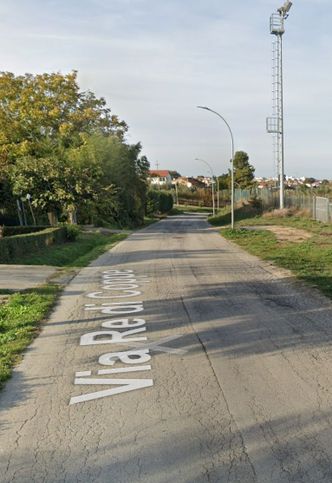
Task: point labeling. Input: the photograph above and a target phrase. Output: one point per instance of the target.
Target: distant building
(196, 183)
(206, 180)
(183, 181)
(160, 177)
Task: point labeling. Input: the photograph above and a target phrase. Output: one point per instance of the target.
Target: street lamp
(275, 124)
(212, 184)
(232, 161)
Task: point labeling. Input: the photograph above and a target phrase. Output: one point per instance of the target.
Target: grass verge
(20, 322)
(309, 260)
(78, 253)
(22, 314)
(180, 209)
(223, 217)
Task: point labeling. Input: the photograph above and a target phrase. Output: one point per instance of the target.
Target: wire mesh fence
(318, 207)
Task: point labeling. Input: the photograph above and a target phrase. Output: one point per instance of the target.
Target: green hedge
(18, 245)
(21, 230)
(158, 201)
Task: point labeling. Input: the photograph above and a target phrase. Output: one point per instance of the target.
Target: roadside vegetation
(180, 209)
(64, 156)
(22, 313)
(78, 253)
(242, 212)
(310, 258)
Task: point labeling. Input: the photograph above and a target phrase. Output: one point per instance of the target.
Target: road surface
(176, 357)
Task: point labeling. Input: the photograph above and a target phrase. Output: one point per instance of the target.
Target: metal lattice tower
(275, 123)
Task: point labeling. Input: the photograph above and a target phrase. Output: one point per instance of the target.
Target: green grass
(20, 321)
(21, 314)
(310, 260)
(223, 217)
(180, 209)
(78, 253)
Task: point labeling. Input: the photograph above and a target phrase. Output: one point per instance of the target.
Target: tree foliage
(39, 112)
(65, 148)
(244, 173)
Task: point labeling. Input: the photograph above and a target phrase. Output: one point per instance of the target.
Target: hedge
(20, 230)
(158, 201)
(18, 245)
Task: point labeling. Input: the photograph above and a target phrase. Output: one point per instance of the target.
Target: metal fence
(319, 208)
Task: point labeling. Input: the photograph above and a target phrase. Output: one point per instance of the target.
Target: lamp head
(285, 8)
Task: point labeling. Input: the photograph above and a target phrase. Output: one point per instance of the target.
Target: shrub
(72, 232)
(159, 201)
(19, 245)
(165, 201)
(152, 202)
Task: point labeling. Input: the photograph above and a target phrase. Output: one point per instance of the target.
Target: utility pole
(275, 124)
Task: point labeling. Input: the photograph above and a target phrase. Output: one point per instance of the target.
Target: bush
(158, 201)
(165, 201)
(152, 202)
(72, 232)
(19, 245)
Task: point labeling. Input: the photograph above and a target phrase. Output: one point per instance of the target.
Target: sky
(154, 61)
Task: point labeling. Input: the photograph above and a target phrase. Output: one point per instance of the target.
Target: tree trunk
(72, 217)
(52, 218)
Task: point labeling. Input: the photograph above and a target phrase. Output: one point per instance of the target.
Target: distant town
(169, 178)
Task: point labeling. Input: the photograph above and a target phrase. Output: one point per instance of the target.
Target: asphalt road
(241, 393)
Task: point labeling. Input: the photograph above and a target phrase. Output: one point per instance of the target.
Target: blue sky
(154, 61)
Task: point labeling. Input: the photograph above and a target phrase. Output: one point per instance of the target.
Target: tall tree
(43, 110)
(244, 172)
(65, 149)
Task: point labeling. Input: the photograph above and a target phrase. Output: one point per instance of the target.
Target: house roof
(161, 173)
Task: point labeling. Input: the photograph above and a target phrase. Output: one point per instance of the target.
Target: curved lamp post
(232, 161)
(212, 174)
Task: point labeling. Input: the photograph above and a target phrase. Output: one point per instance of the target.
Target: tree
(123, 174)
(58, 184)
(65, 149)
(309, 180)
(48, 110)
(244, 173)
(224, 182)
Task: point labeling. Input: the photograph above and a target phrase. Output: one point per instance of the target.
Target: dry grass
(286, 213)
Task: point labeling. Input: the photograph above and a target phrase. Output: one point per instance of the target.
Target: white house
(160, 177)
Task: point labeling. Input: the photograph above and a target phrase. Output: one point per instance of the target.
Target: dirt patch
(284, 233)
(4, 299)
(104, 231)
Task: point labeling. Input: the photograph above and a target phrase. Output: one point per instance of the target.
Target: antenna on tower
(275, 123)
